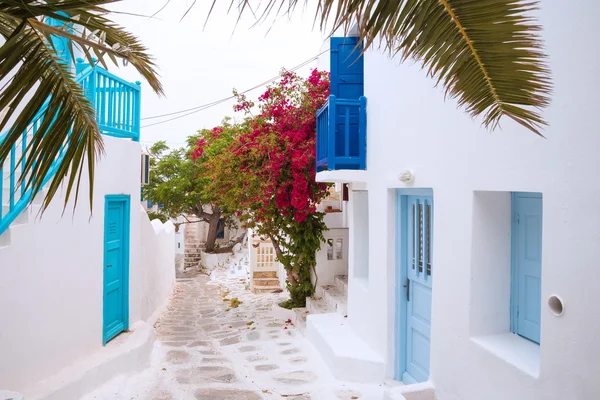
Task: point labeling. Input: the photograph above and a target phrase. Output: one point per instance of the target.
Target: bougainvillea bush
(267, 175)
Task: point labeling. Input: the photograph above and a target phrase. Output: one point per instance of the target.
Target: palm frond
(485, 53)
(67, 125)
(30, 68)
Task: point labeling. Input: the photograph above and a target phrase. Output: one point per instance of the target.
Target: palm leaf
(485, 53)
(30, 68)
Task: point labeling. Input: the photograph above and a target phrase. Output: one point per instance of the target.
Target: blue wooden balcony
(117, 106)
(342, 134)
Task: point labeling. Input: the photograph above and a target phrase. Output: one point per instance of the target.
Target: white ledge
(342, 176)
(513, 349)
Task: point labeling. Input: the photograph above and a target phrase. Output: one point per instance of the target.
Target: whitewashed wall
(471, 172)
(327, 269)
(51, 275)
(180, 237)
(158, 265)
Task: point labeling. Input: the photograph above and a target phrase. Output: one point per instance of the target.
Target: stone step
(264, 274)
(341, 281)
(317, 306)
(22, 218)
(299, 318)
(5, 238)
(266, 282)
(265, 289)
(335, 299)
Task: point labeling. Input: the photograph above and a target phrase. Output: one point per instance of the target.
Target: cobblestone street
(208, 348)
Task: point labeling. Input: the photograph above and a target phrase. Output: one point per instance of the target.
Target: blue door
(414, 288)
(116, 267)
(527, 265)
(60, 43)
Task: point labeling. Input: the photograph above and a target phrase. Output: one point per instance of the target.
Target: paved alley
(217, 340)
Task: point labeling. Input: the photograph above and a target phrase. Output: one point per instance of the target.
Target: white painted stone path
(207, 349)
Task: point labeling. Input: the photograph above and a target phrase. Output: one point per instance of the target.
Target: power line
(194, 110)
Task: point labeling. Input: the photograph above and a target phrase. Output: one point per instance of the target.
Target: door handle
(407, 286)
(109, 265)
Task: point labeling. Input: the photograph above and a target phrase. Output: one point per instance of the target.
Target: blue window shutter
(61, 44)
(347, 68)
(347, 83)
(150, 204)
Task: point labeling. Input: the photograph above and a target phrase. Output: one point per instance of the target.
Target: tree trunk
(211, 238)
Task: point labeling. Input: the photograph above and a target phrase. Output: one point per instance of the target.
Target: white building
(78, 293)
(477, 279)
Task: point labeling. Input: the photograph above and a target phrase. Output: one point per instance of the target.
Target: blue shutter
(347, 68)
(347, 83)
(61, 44)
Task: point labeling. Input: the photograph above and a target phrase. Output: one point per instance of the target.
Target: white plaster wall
(158, 264)
(51, 275)
(180, 236)
(328, 269)
(410, 126)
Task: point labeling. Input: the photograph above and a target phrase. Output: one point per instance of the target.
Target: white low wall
(51, 276)
(158, 265)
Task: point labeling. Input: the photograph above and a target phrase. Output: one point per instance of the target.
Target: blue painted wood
(61, 44)
(116, 267)
(526, 282)
(414, 244)
(344, 116)
(346, 67)
(13, 159)
(362, 134)
(341, 142)
(22, 161)
(331, 133)
(401, 278)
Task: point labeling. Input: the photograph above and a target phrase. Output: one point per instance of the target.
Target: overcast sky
(200, 65)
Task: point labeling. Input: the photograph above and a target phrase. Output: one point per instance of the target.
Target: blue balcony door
(60, 43)
(116, 267)
(414, 288)
(347, 83)
(527, 265)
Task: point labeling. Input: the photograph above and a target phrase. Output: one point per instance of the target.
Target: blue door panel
(416, 213)
(346, 68)
(527, 265)
(116, 267)
(60, 43)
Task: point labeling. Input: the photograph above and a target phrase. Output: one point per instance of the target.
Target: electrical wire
(203, 107)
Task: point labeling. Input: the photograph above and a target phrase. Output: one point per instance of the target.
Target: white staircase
(327, 299)
(28, 214)
(324, 322)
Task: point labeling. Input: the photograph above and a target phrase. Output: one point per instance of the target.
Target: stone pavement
(210, 347)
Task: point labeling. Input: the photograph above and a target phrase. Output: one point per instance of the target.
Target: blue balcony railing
(342, 135)
(117, 106)
(117, 102)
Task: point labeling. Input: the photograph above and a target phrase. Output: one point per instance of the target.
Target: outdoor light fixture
(407, 176)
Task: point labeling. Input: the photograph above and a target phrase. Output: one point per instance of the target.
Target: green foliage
(267, 175)
(173, 181)
(178, 183)
(152, 215)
